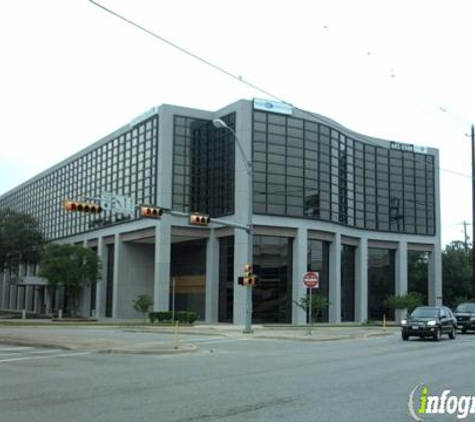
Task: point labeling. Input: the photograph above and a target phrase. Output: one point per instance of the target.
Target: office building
(325, 199)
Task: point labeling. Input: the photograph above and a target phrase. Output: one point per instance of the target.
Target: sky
(71, 73)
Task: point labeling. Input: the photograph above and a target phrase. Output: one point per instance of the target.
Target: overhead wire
(238, 78)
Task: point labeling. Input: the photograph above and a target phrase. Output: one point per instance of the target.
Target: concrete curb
(93, 348)
(71, 341)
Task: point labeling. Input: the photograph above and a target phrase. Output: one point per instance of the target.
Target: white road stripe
(214, 340)
(30, 352)
(9, 349)
(45, 357)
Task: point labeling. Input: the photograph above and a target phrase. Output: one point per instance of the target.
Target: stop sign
(311, 279)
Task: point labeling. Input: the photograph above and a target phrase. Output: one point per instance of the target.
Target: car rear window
(426, 313)
(466, 307)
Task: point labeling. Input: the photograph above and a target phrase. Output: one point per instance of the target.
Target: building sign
(143, 116)
(273, 106)
(118, 204)
(408, 147)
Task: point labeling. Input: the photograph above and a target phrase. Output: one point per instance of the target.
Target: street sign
(311, 279)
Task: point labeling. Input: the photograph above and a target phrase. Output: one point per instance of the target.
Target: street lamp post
(220, 124)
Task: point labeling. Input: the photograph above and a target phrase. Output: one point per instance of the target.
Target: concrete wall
(135, 277)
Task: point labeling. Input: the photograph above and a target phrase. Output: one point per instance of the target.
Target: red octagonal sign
(311, 279)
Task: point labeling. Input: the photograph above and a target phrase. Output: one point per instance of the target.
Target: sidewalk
(134, 337)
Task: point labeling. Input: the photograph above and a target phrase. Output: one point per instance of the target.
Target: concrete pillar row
(334, 315)
(118, 245)
(161, 279)
(361, 280)
(401, 283)
(300, 266)
(240, 259)
(212, 278)
(435, 276)
(101, 285)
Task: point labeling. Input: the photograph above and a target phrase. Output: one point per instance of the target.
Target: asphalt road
(235, 379)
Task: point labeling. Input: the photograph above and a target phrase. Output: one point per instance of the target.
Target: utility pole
(465, 237)
(473, 212)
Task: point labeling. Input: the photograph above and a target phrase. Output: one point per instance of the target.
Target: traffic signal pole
(473, 212)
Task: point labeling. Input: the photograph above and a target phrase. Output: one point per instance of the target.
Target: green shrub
(319, 304)
(142, 303)
(183, 317)
(409, 301)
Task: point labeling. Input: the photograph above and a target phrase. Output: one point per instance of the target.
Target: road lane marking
(9, 349)
(30, 352)
(214, 340)
(44, 357)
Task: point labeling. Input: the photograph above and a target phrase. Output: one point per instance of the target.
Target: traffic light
(150, 212)
(247, 274)
(69, 205)
(198, 219)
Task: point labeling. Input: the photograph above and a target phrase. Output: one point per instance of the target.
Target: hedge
(180, 316)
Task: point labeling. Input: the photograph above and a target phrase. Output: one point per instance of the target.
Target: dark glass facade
(126, 165)
(418, 273)
(188, 276)
(226, 279)
(348, 283)
(272, 298)
(381, 282)
(318, 260)
(203, 166)
(307, 169)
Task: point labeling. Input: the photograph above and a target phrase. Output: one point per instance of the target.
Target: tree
(143, 303)
(456, 272)
(409, 301)
(418, 273)
(319, 304)
(20, 238)
(71, 266)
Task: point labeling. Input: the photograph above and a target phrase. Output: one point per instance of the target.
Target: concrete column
(361, 281)
(36, 299)
(300, 266)
(19, 298)
(5, 290)
(161, 278)
(101, 285)
(212, 278)
(240, 258)
(28, 299)
(400, 287)
(435, 276)
(48, 293)
(13, 296)
(335, 280)
(117, 267)
(85, 304)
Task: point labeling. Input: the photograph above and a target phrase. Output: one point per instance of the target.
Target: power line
(240, 78)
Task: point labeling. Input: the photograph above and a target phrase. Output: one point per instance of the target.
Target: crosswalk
(13, 353)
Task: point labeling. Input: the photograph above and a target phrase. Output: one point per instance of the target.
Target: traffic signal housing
(150, 212)
(199, 219)
(86, 207)
(248, 279)
(247, 274)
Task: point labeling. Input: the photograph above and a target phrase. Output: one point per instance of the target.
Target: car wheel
(437, 334)
(452, 334)
(405, 336)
